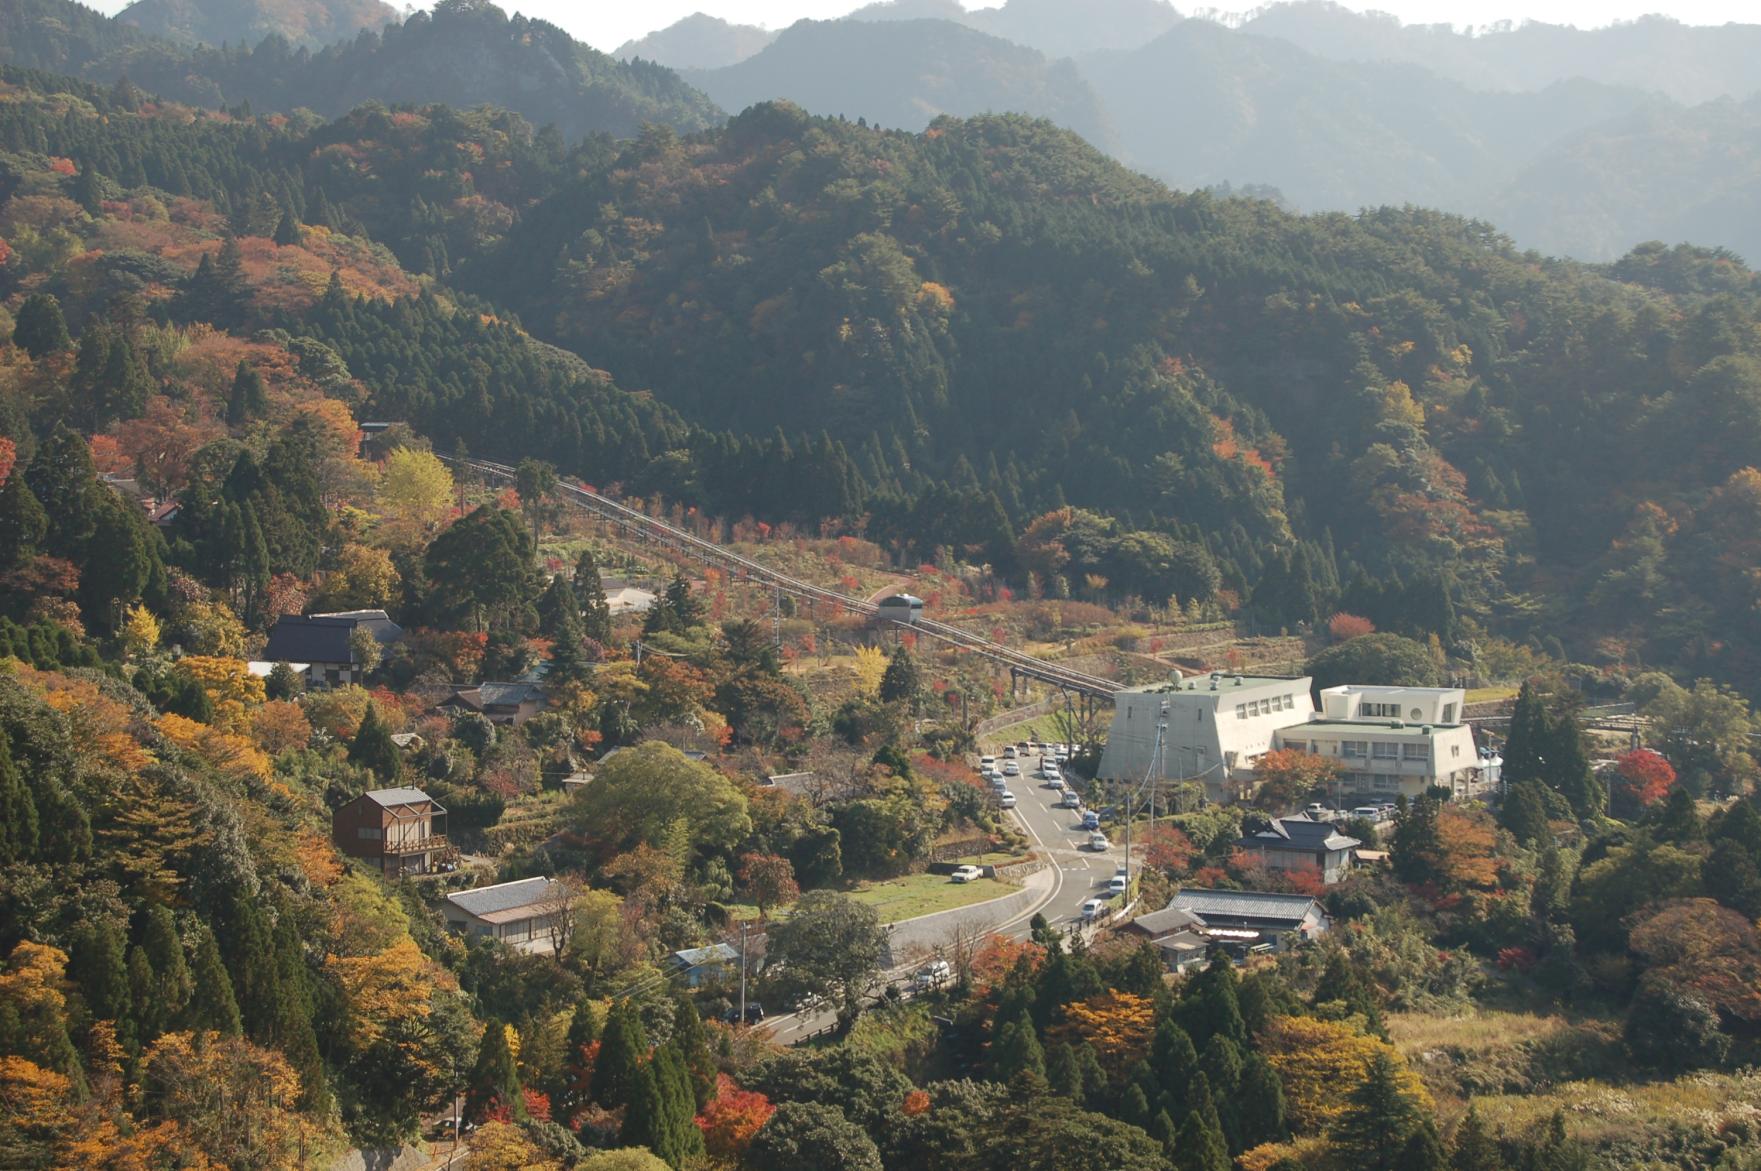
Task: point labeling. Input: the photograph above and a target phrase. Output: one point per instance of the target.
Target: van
(932, 974)
(985, 762)
(1368, 812)
(1092, 909)
(1009, 752)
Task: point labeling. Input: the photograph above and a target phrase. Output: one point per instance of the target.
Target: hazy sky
(606, 24)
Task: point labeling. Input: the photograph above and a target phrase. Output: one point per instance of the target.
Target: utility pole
(777, 617)
(742, 971)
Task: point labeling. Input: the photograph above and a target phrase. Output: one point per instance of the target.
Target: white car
(967, 874)
(1049, 768)
(1009, 752)
(1092, 909)
(1008, 799)
(1097, 841)
(1116, 885)
(1062, 752)
(1072, 800)
(932, 974)
(1011, 769)
(1055, 782)
(985, 762)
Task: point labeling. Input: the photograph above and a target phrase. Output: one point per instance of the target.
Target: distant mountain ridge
(698, 42)
(905, 74)
(1690, 63)
(310, 24)
(465, 53)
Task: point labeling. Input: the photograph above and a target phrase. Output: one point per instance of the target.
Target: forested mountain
(1661, 172)
(905, 73)
(698, 42)
(1689, 63)
(464, 53)
(1056, 28)
(1203, 105)
(309, 24)
(996, 303)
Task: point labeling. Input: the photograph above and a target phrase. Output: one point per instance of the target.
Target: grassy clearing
(1491, 694)
(1042, 728)
(925, 894)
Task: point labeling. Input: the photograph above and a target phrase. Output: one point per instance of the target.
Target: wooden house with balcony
(401, 831)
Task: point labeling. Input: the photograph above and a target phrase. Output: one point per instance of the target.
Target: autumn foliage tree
(768, 880)
(1285, 777)
(1641, 779)
(732, 1117)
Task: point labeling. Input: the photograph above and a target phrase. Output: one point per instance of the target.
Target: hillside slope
(311, 24)
(1204, 105)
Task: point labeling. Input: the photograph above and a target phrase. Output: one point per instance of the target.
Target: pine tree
(1474, 1148)
(645, 1120)
(39, 329)
(1222, 1066)
(681, 1141)
(1524, 813)
(98, 966)
(1261, 1107)
(293, 1031)
(211, 1004)
(1172, 1062)
(247, 399)
(1423, 1152)
(1062, 1072)
(902, 682)
(23, 523)
(1016, 1051)
(373, 748)
(1210, 1007)
(1380, 1116)
(171, 985)
(287, 230)
(18, 808)
(622, 1053)
(494, 1079)
(1526, 745)
(692, 1043)
(1200, 1146)
(590, 596)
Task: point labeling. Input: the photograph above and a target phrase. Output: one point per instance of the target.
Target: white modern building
(1212, 729)
(1393, 741)
(1216, 727)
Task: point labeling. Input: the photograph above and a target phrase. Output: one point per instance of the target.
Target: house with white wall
(1216, 726)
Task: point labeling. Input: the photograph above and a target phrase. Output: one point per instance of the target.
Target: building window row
(1265, 707)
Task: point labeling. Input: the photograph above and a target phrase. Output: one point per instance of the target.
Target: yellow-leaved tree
(1320, 1062)
(871, 666)
(415, 495)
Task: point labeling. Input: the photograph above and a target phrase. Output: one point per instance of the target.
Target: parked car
(1116, 885)
(1072, 799)
(1091, 819)
(985, 762)
(1054, 782)
(1009, 752)
(754, 1014)
(1368, 812)
(1097, 841)
(932, 974)
(1008, 799)
(1092, 909)
(1049, 768)
(967, 874)
(1062, 752)
(1024, 746)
